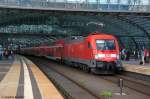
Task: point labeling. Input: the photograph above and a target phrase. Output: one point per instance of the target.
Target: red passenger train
(98, 53)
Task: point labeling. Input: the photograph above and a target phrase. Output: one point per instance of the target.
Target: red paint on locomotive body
(96, 51)
(107, 55)
(87, 49)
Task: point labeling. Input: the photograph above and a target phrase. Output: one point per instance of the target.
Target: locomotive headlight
(113, 55)
(96, 56)
(118, 57)
(99, 56)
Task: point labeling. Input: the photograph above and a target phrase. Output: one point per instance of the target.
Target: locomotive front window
(105, 44)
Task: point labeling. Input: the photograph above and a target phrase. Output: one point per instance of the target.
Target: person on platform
(128, 54)
(149, 57)
(6, 53)
(146, 55)
(142, 62)
(136, 54)
(123, 54)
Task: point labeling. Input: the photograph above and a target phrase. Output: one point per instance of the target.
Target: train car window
(89, 45)
(105, 44)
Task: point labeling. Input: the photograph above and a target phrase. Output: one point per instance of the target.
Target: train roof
(101, 35)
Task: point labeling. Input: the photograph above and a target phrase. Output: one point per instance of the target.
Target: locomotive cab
(106, 54)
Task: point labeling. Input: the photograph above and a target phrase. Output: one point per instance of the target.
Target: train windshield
(105, 44)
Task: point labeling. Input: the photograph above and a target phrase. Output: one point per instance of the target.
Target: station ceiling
(38, 27)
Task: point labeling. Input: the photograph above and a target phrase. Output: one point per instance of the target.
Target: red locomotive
(98, 53)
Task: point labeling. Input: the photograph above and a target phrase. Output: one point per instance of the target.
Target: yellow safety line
(47, 89)
(9, 84)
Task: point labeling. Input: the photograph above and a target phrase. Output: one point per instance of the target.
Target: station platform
(134, 66)
(21, 79)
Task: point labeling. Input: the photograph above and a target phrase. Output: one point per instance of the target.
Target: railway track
(58, 77)
(137, 85)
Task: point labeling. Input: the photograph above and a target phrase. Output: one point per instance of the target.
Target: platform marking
(28, 92)
(138, 69)
(9, 84)
(46, 87)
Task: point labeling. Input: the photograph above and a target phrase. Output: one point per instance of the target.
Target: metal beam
(138, 26)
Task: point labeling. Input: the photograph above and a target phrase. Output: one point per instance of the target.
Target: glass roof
(34, 28)
(80, 5)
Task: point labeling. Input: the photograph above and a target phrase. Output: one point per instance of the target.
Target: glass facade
(98, 5)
